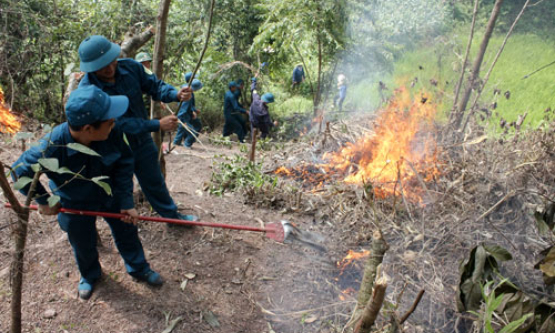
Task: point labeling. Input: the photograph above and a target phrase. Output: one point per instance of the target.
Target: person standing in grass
(342, 92)
(91, 115)
(298, 76)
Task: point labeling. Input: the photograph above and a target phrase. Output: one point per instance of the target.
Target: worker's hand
(184, 94)
(194, 115)
(131, 216)
(275, 123)
(168, 123)
(247, 112)
(47, 210)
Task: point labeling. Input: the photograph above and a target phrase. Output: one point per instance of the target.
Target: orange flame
(350, 257)
(8, 122)
(392, 158)
(397, 149)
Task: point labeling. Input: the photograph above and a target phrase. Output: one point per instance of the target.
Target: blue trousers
(235, 123)
(148, 173)
(195, 125)
(81, 232)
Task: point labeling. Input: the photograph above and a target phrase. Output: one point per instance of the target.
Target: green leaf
(35, 167)
(22, 136)
(499, 253)
(53, 200)
(514, 325)
(82, 149)
(105, 186)
(542, 226)
(51, 164)
(125, 139)
(63, 170)
(95, 179)
(22, 182)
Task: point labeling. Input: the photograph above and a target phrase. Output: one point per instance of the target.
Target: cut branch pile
(488, 192)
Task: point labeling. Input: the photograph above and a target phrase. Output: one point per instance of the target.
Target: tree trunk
(379, 247)
(133, 41)
(372, 309)
(474, 74)
(20, 238)
(158, 69)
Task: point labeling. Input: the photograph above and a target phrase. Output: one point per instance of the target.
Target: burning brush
(392, 158)
(8, 122)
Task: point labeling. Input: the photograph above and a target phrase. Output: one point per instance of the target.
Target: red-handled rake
(276, 231)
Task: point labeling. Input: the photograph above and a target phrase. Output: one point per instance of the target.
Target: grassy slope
(522, 55)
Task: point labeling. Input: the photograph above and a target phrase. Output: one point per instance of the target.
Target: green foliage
(492, 302)
(238, 173)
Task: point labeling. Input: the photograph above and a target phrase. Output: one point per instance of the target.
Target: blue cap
(239, 82)
(89, 104)
(267, 98)
(232, 84)
(97, 52)
(253, 79)
(188, 76)
(196, 85)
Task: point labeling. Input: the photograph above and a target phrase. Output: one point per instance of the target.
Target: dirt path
(242, 281)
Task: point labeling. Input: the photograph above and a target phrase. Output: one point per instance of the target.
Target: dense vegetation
(369, 41)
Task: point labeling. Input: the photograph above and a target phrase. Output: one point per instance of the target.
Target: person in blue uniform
(298, 76)
(259, 115)
(90, 122)
(233, 114)
(239, 91)
(188, 114)
(127, 77)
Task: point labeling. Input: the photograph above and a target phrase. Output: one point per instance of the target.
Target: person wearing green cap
(145, 59)
(127, 77)
(259, 115)
(90, 115)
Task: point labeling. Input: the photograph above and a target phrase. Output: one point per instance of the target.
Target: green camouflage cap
(143, 56)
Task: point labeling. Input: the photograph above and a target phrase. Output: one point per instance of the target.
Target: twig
(413, 307)
(486, 78)
(208, 32)
(184, 125)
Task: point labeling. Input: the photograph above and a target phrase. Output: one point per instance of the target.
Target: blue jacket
(231, 105)
(237, 93)
(185, 112)
(259, 112)
(132, 81)
(116, 162)
(298, 74)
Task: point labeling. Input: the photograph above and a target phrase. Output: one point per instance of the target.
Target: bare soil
(236, 281)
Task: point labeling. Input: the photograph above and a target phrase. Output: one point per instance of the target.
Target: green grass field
(522, 55)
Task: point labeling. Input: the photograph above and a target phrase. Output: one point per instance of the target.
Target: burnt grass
(239, 281)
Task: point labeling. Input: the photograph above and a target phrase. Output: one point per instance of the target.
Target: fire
(8, 122)
(350, 257)
(395, 159)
